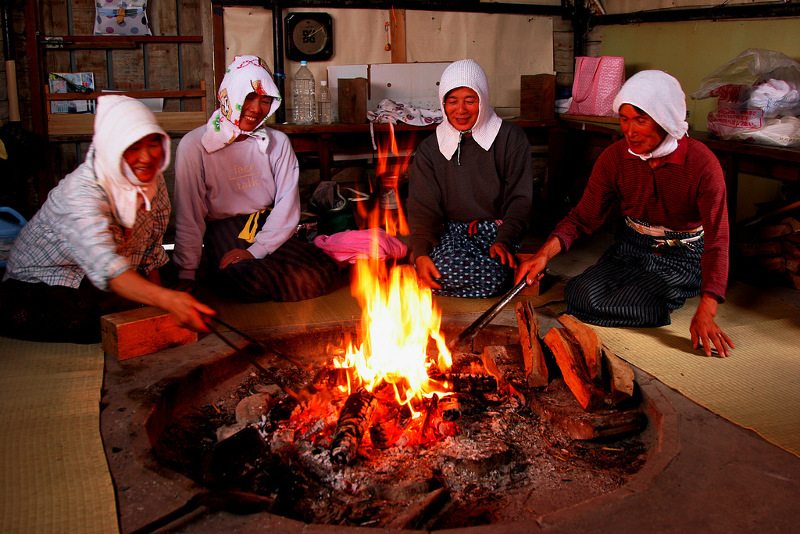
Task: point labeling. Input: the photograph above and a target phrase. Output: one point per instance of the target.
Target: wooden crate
(353, 100)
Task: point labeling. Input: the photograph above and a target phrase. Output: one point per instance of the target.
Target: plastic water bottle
(324, 112)
(305, 100)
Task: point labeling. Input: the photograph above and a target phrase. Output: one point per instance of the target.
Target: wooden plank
(620, 376)
(141, 331)
(353, 100)
(397, 31)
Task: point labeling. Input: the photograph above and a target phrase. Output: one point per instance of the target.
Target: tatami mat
(757, 387)
(53, 471)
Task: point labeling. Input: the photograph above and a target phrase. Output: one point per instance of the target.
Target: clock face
(309, 36)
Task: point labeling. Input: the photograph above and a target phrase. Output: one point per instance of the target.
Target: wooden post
(397, 30)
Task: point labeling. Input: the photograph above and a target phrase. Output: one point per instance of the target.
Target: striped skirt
(295, 271)
(464, 264)
(638, 281)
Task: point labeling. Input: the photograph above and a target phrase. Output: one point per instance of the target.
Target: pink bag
(597, 82)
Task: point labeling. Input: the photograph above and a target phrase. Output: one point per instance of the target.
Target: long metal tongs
(266, 372)
(257, 343)
(488, 316)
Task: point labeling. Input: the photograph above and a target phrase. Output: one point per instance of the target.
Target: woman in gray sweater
(470, 192)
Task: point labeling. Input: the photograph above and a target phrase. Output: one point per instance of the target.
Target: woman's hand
(427, 272)
(704, 329)
(187, 311)
(234, 256)
(532, 269)
(184, 308)
(499, 250)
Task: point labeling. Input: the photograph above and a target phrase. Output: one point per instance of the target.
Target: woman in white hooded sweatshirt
(470, 192)
(94, 247)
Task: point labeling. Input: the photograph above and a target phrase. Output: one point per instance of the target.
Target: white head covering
(467, 73)
(245, 75)
(659, 95)
(120, 122)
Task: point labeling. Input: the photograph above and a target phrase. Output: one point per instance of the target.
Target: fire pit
(503, 464)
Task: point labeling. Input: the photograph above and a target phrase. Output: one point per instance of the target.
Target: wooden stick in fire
(354, 421)
(261, 345)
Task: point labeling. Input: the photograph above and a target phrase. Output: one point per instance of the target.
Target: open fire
(390, 429)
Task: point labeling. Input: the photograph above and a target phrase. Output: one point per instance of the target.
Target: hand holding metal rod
(488, 316)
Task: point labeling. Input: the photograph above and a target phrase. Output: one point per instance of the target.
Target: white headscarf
(467, 73)
(120, 122)
(659, 95)
(245, 75)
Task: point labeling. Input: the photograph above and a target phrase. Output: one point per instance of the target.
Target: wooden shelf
(70, 126)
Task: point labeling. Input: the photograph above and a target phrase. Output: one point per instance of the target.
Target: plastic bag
(758, 95)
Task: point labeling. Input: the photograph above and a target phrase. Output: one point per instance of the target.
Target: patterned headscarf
(245, 75)
(659, 95)
(467, 73)
(120, 122)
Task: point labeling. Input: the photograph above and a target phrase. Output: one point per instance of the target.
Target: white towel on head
(659, 95)
(120, 122)
(245, 75)
(467, 73)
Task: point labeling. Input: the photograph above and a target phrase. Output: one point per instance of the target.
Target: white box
(411, 83)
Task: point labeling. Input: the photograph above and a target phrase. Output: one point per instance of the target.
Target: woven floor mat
(53, 471)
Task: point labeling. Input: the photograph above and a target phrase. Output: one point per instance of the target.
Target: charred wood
(353, 423)
(472, 383)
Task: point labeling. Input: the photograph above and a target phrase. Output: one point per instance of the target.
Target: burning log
(450, 408)
(535, 365)
(504, 367)
(353, 423)
(472, 383)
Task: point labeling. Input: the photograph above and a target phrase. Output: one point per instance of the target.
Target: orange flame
(391, 165)
(398, 322)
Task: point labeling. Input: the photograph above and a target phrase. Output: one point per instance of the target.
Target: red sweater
(686, 191)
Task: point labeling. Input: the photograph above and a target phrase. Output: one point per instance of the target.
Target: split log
(590, 345)
(450, 408)
(536, 371)
(570, 361)
(354, 420)
(620, 376)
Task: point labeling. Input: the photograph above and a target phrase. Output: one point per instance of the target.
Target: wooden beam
(397, 31)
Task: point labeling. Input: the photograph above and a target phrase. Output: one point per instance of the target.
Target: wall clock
(309, 36)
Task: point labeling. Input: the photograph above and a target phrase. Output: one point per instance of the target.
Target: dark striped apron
(464, 264)
(639, 280)
(295, 271)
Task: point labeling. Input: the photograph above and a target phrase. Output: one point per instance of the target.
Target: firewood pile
(772, 248)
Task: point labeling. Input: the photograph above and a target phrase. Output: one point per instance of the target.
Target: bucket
(8, 231)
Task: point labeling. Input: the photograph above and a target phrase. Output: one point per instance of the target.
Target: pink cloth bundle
(352, 245)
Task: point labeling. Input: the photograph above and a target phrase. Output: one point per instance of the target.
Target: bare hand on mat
(705, 331)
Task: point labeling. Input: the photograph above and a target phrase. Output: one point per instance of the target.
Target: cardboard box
(537, 96)
(141, 331)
